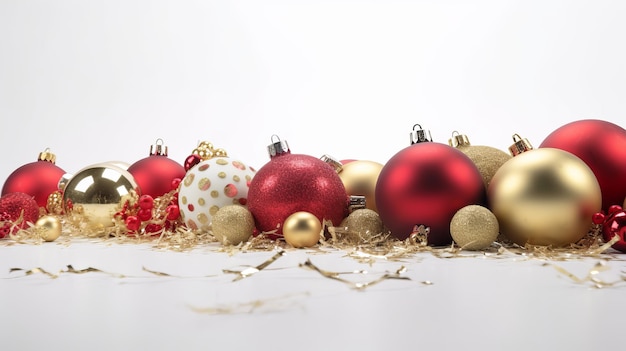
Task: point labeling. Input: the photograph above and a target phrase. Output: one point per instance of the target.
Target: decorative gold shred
(355, 285)
(591, 276)
(247, 272)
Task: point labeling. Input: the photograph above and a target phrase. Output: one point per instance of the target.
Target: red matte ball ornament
(155, 173)
(602, 146)
(38, 179)
(290, 183)
(426, 184)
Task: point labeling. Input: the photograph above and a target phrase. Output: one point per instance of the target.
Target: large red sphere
(154, 174)
(426, 184)
(291, 183)
(602, 146)
(38, 179)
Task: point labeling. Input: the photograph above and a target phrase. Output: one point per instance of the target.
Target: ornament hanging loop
(419, 136)
(520, 145)
(458, 140)
(158, 149)
(278, 147)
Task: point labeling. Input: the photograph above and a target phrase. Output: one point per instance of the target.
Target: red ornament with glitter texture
(290, 183)
(17, 208)
(38, 179)
(426, 184)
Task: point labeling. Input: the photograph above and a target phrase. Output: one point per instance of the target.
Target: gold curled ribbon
(591, 276)
(355, 285)
(245, 273)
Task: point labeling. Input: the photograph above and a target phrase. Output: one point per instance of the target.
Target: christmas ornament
(425, 184)
(155, 173)
(362, 225)
(291, 183)
(544, 196)
(96, 191)
(212, 184)
(38, 179)
(474, 227)
(613, 224)
(233, 224)
(359, 178)
(48, 227)
(602, 146)
(302, 229)
(486, 158)
(16, 211)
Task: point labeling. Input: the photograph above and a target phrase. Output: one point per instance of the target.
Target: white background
(97, 81)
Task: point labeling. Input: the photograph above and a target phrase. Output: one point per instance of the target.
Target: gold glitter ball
(474, 227)
(233, 224)
(487, 159)
(363, 224)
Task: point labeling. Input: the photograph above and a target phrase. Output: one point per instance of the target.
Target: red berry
(175, 183)
(598, 218)
(132, 223)
(144, 214)
(173, 212)
(146, 202)
(153, 228)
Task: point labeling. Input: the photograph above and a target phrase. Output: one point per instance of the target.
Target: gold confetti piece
(276, 304)
(427, 282)
(70, 269)
(160, 274)
(34, 271)
(252, 270)
(591, 276)
(355, 285)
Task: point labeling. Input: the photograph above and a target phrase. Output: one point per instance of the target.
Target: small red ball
(38, 179)
(426, 184)
(144, 214)
(616, 225)
(132, 223)
(602, 146)
(14, 205)
(146, 202)
(154, 174)
(191, 161)
(173, 212)
(598, 218)
(291, 183)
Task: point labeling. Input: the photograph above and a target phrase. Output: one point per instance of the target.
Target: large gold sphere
(359, 178)
(302, 229)
(544, 197)
(98, 190)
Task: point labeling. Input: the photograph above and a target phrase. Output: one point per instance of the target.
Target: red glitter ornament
(290, 183)
(38, 179)
(14, 205)
(602, 146)
(155, 173)
(426, 184)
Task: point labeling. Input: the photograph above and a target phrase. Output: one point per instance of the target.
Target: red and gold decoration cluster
(472, 195)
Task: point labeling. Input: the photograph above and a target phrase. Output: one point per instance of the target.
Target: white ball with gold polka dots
(211, 185)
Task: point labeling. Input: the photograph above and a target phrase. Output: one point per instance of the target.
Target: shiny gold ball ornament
(363, 224)
(48, 228)
(232, 224)
(474, 227)
(98, 190)
(486, 158)
(544, 197)
(359, 178)
(302, 229)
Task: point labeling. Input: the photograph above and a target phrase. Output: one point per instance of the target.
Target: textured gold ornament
(302, 229)
(362, 225)
(48, 228)
(359, 178)
(98, 190)
(486, 158)
(474, 227)
(544, 197)
(233, 224)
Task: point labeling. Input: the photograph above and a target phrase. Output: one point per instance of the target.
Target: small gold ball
(363, 224)
(233, 224)
(302, 229)
(48, 227)
(474, 227)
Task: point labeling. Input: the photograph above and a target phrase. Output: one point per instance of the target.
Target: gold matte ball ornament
(232, 224)
(474, 227)
(359, 178)
(544, 197)
(48, 228)
(302, 229)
